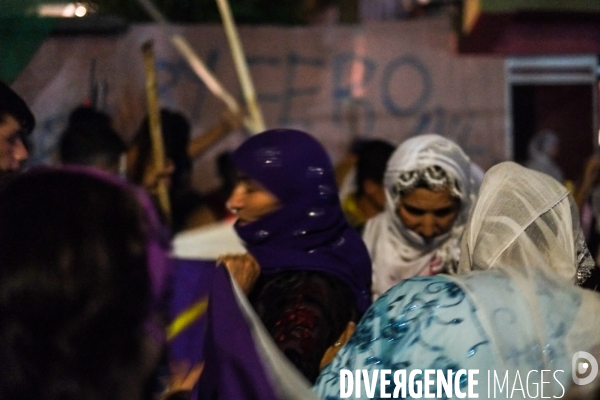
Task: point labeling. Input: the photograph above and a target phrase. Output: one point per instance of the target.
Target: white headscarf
(525, 229)
(540, 150)
(525, 221)
(398, 253)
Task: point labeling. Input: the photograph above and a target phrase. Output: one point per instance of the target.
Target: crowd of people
(425, 264)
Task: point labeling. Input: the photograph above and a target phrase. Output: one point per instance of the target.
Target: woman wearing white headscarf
(543, 149)
(430, 188)
(515, 307)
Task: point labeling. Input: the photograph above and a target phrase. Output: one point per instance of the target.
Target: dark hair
(176, 137)
(373, 156)
(74, 288)
(11, 104)
(90, 140)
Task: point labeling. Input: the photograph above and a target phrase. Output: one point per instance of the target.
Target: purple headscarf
(309, 232)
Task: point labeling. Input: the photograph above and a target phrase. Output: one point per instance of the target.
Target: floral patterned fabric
(513, 308)
(435, 323)
(304, 312)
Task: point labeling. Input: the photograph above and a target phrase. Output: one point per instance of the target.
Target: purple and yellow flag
(213, 322)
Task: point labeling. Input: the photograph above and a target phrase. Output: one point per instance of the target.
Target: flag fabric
(233, 369)
(212, 321)
(191, 283)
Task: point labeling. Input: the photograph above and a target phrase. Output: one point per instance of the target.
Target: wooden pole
(198, 66)
(204, 73)
(158, 151)
(241, 66)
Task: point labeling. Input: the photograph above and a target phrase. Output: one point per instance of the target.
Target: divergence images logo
(578, 366)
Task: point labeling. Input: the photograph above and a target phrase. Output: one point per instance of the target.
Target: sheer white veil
(398, 253)
(526, 223)
(525, 228)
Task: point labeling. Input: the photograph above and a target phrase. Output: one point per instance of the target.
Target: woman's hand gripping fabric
(243, 268)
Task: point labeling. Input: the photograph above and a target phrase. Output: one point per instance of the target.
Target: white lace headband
(433, 177)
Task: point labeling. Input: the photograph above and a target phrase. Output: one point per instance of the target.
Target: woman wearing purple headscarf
(315, 272)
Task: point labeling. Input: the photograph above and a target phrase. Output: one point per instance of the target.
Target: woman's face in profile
(251, 201)
(429, 213)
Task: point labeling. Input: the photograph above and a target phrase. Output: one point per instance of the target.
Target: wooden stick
(241, 66)
(204, 73)
(158, 151)
(198, 66)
